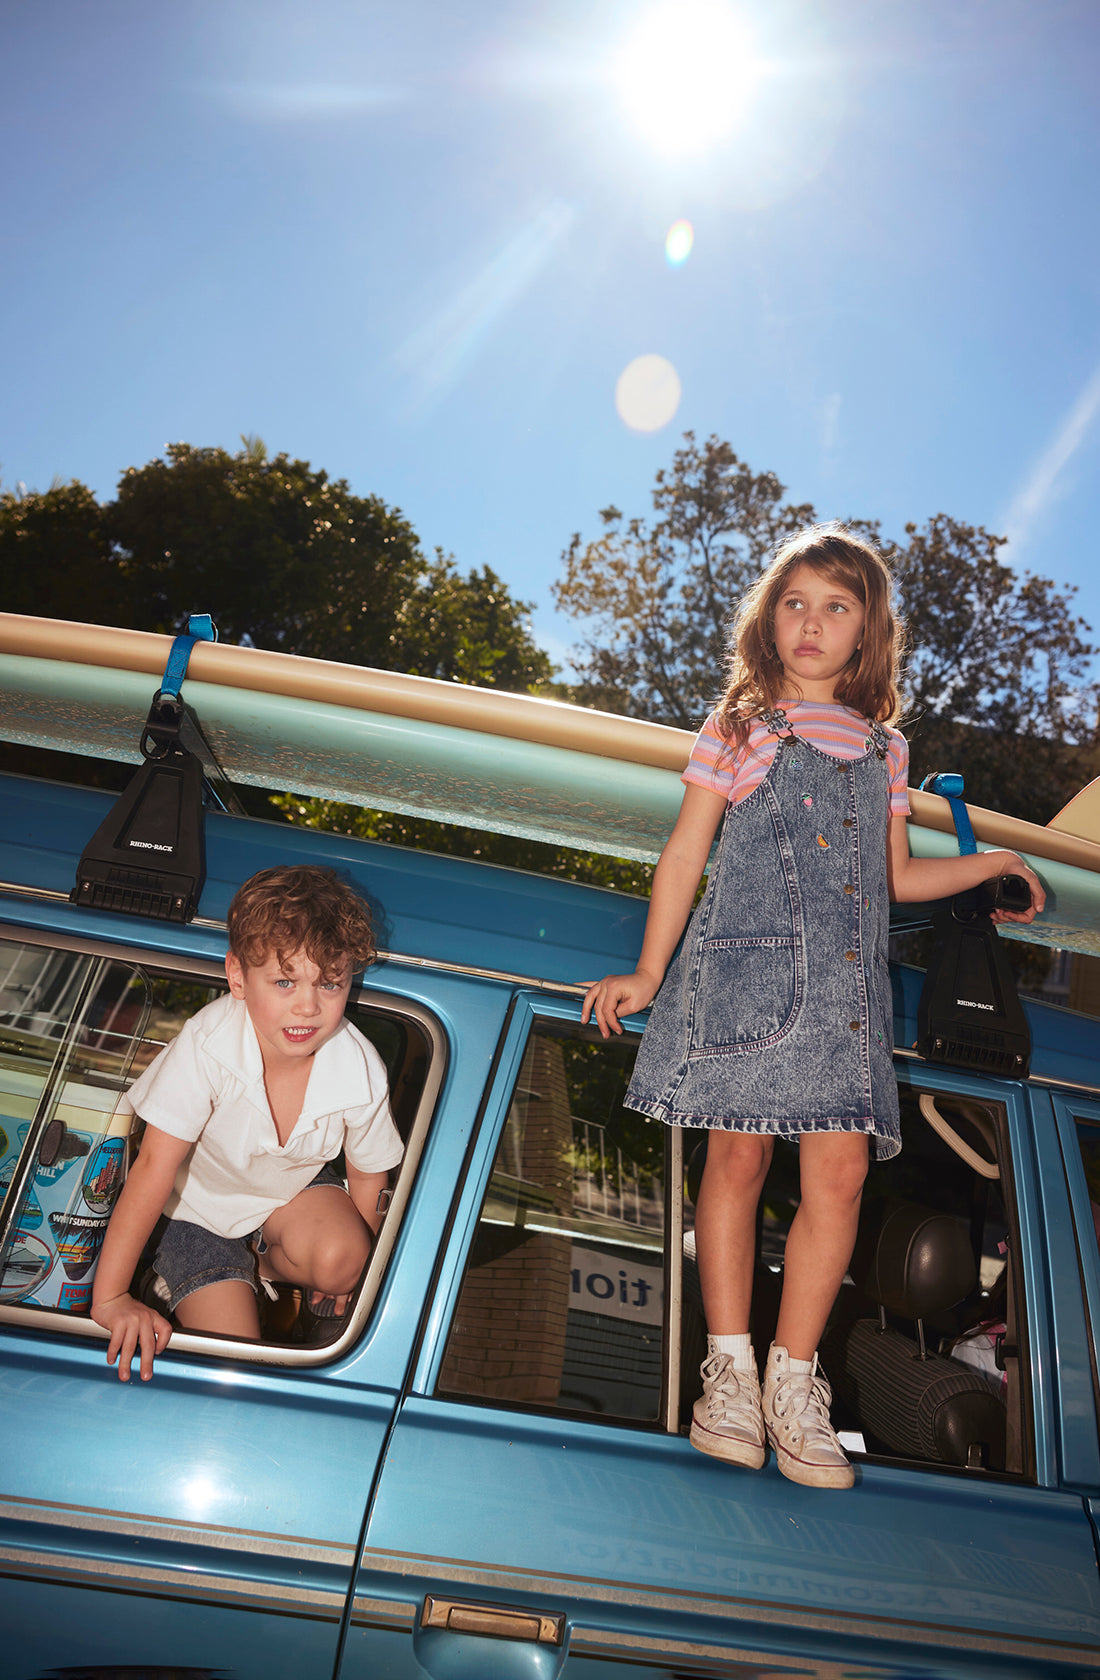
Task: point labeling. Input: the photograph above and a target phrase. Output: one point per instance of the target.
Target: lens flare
(684, 75)
(648, 393)
(678, 243)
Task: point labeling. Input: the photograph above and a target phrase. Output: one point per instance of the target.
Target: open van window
(570, 1301)
(562, 1301)
(923, 1348)
(76, 1029)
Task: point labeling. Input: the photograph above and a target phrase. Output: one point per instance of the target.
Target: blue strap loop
(160, 737)
(200, 628)
(949, 785)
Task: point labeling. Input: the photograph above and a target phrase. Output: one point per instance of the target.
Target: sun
(684, 74)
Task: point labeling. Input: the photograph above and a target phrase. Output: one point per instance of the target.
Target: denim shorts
(189, 1257)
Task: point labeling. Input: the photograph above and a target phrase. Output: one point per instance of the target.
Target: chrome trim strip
(102, 947)
(187, 1584)
(53, 895)
(573, 988)
(203, 1580)
(133, 1525)
(902, 1054)
(676, 1602)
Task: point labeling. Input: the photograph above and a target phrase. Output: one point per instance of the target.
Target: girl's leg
(796, 1396)
(727, 1421)
(228, 1309)
(725, 1226)
(833, 1166)
(318, 1241)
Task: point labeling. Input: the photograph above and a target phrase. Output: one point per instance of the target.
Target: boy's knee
(337, 1266)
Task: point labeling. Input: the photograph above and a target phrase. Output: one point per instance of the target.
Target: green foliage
(998, 677)
(54, 547)
(624, 874)
(998, 674)
(658, 597)
(278, 553)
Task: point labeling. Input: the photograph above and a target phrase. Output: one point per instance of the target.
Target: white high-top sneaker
(727, 1421)
(796, 1417)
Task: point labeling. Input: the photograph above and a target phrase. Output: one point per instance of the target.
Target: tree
(469, 629)
(592, 868)
(998, 673)
(54, 548)
(659, 596)
(997, 682)
(278, 553)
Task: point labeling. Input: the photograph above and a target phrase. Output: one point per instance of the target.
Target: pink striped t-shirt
(832, 728)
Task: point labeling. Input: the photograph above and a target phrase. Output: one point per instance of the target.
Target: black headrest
(922, 1262)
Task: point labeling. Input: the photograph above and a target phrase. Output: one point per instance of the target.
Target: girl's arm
(921, 880)
(134, 1327)
(675, 882)
(364, 1190)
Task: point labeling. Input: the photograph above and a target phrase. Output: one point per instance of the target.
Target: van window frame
(1008, 1098)
(1068, 1110)
(184, 967)
(528, 1013)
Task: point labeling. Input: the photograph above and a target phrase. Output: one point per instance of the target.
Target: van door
(539, 1510)
(1078, 1120)
(206, 1521)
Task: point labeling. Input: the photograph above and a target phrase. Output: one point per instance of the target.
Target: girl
(775, 1019)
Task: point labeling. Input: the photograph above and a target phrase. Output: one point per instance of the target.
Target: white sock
(740, 1347)
(797, 1367)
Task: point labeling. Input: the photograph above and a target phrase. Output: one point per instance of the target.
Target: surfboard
(507, 763)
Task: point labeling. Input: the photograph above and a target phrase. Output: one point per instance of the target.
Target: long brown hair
(756, 680)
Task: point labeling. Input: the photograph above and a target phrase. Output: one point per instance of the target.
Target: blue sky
(418, 244)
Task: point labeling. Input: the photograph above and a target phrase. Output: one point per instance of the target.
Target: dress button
(849, 822)
(849, 956)
(854, 1025)
(848, 887)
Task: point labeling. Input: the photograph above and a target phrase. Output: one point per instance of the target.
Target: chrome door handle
(456, 1616)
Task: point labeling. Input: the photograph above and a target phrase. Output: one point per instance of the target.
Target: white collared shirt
(207, 1087)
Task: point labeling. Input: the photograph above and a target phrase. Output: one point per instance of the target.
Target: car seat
(918, 1404)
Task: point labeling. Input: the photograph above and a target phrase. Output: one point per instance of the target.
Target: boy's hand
(135, 1329)
(615, 995)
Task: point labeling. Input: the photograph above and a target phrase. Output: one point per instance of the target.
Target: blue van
(487, 1472)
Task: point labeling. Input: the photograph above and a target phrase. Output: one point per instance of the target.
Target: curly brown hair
(301, 907)
(756, 680)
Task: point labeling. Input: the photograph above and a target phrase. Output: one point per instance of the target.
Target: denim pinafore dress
(776, 1014)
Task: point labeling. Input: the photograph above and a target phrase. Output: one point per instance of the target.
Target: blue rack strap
(949, 785)
(200, 628)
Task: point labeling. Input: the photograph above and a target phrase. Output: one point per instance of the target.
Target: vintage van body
(487, 1473)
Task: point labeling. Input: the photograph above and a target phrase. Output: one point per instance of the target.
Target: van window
(562, 1304)
(1088, 1137)
(925, 1372)
(70, 1026)
(75, 1031)
(562, 1301)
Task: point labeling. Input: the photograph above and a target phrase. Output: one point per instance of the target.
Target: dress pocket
(748, 996)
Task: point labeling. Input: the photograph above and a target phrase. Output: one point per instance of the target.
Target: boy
(243, 1111)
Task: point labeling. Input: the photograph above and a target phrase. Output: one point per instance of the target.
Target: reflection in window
(562, 1301)
(1088, 1136)
(75, 1030)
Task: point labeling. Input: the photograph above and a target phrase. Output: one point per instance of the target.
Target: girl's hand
(1038, 896)
(616, 995)
(135, 1330)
